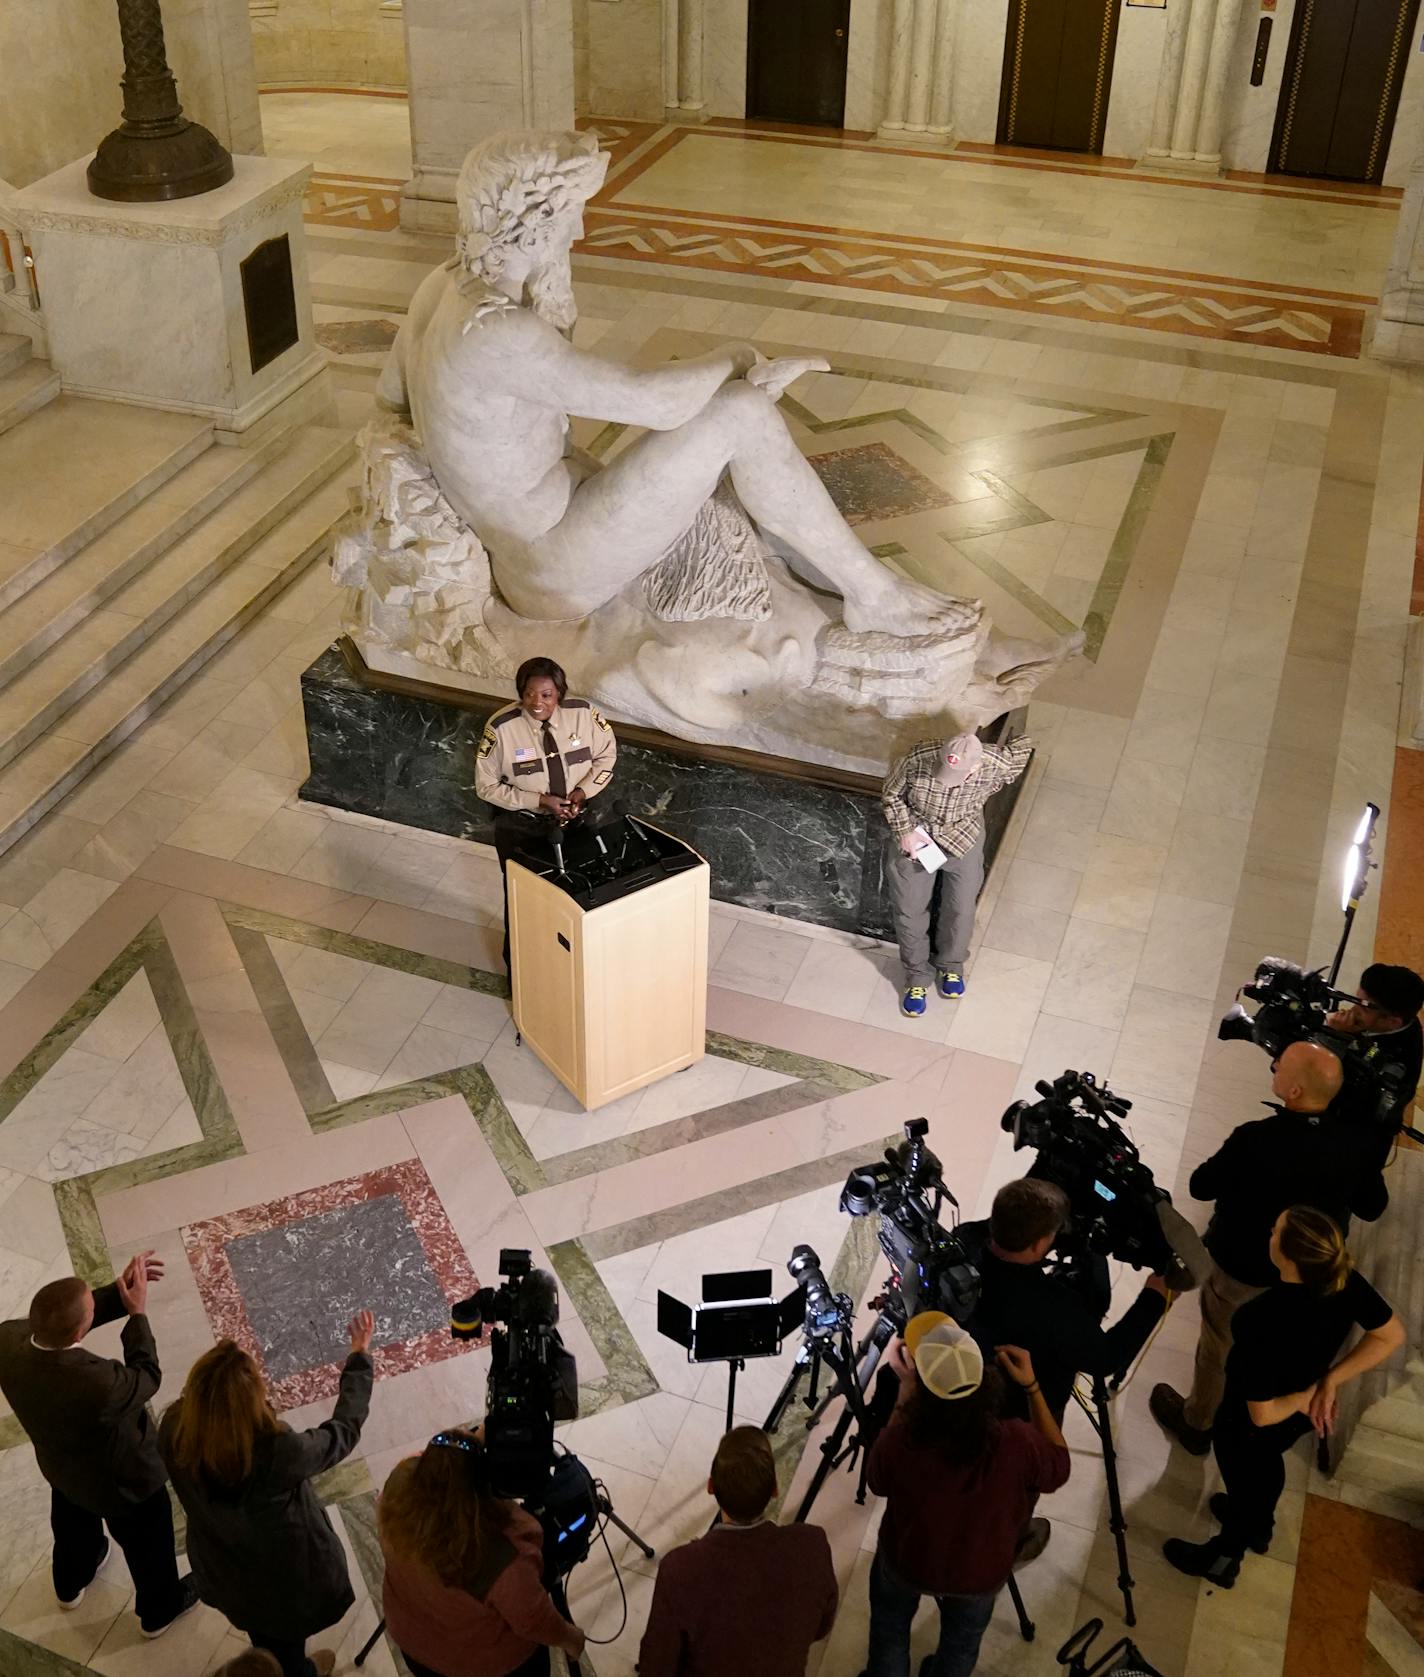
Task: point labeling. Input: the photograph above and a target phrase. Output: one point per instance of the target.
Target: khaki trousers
(1221, 1297)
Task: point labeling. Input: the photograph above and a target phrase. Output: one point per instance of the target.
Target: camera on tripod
(1293, 1006)
(1117, 1209)
(525, 1381)
(930, 1266)
(826, 1312)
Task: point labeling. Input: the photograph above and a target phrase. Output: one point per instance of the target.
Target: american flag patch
(522, 753)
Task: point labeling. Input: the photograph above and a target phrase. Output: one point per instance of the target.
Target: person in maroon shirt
(959, 1485)
(749, 1598)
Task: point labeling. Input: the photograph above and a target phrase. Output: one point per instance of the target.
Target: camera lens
(467, 1318)
(858, 1195)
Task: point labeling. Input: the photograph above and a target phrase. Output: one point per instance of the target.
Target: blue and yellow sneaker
(950, 984)
(913, 1001)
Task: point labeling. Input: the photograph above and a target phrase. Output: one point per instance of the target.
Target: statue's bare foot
(897, 606)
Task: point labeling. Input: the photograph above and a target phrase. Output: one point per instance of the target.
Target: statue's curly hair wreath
(512, 185)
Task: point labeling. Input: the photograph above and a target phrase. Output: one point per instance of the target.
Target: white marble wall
(1407, 142)
(328, 43)
(515, 71)
(623, 58)
(1141, 35)
(978, 68)
(61, 65)
(724, 57)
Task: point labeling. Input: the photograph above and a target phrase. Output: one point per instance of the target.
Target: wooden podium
(611, 997)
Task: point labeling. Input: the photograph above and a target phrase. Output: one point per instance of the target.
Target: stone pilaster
(1399, 330)
(919, 98)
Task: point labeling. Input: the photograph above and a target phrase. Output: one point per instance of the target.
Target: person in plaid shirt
(938, 791)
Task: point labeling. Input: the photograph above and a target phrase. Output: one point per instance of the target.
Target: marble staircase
(132, 548)
(25, 384)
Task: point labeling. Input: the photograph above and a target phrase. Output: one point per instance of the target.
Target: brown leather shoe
(1168, 1410)
(324, 1660)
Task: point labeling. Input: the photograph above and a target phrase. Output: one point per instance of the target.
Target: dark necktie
(558, 786)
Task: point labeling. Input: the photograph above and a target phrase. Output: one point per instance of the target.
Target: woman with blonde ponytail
(1283, 1380)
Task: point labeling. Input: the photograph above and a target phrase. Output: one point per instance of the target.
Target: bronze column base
(134, 167)
(155, 153)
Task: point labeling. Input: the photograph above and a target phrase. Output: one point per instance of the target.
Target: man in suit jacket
(94, 1442)
(749, 1597)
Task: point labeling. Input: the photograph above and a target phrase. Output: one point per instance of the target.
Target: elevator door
(1340, 87)
(1057, 72)
(796, 60)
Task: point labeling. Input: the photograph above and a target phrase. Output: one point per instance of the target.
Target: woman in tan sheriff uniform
(547, 754)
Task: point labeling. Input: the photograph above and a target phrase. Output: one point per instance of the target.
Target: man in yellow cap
(960, 1485)
(934, 800)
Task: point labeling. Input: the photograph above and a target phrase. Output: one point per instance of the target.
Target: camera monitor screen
(737, 1330)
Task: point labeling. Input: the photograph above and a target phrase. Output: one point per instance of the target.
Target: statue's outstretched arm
(530, 361)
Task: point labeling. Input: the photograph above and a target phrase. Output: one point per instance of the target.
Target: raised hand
(142, 1268)
(361, 1327)
(774, 377)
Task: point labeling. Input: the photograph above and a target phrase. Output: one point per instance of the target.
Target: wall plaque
(269, 302)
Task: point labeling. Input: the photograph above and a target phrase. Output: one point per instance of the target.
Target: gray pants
(1221, 1296)
(945, 899)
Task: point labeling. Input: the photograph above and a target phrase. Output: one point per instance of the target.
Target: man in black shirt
(1020, 1305)
(1300, 1155)
(1386, 1014)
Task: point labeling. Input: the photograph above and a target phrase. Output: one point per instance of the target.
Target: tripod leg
(1117, 1523)
(369, 1643)
(627, 1531)
(783, 1398)
(1027, 1629)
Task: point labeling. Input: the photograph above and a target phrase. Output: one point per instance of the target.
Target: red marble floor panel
(1343, 1552)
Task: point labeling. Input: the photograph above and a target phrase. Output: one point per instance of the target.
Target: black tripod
(854, 1368)
(1101, 1423)
(558, 1591)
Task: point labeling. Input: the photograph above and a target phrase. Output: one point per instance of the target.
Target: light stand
(738, 1318)
(1355, 877)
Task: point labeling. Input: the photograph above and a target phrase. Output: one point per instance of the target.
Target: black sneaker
(1169, 1411)
(1203, 1560)
(187, 1601)
(1220, 1506)
(78, 1595)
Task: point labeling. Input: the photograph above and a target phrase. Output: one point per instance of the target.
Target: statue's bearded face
(551, 281)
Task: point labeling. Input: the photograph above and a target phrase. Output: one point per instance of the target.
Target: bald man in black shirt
(1300, 1155)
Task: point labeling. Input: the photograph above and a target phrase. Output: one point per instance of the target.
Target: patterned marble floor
(236, 1026)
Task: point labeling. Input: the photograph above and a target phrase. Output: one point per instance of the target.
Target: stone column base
(1197, 167)
(428, 202)
(923, 139)
(1397, 340)
(149, 304)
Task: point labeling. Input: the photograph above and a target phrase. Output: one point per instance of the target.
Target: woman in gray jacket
(261, 1546)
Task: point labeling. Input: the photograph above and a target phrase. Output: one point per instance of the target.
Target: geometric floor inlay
(284, 1279)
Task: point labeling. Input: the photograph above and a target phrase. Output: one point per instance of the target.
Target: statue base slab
(796, 839)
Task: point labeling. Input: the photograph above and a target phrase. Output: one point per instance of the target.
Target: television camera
(531, 1380)
(1116, 1208)
(1293, 1006)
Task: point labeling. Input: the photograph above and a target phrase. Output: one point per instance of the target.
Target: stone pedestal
(792, 838)
(195, 305)
(1399, 329)
(511, 67)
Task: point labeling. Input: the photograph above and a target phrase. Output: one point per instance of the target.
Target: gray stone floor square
(301, 1283)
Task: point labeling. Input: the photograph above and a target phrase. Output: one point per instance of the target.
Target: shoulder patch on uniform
(486, 742)
(598, 718)
(573, 704)
(508, 714)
